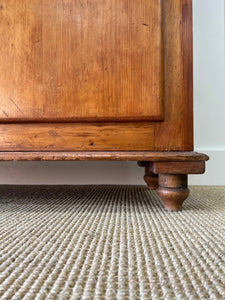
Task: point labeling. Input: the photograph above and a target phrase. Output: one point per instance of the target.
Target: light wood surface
(73, 60)
(36, 67)
(76, 137)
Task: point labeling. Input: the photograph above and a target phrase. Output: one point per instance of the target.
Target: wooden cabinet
(100, 79)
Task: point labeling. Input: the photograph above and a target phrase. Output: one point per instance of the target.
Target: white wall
(209, 118)
(209, 88)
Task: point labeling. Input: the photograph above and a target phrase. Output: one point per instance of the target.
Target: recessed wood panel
(76, 137)
(77, 60)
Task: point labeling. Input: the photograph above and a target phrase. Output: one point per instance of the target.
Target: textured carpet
(110, 242)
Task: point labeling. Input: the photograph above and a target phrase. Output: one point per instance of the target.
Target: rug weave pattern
(110, 242)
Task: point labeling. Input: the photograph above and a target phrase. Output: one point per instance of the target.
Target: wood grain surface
(176, 132)
(76, 137)
(73, 60)
(173, 190)
(186, 167)
(104, 155)
(53, 47)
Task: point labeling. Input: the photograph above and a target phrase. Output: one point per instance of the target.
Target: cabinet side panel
(176, 132)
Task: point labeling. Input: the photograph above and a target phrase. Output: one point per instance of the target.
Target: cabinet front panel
(77, 137)
(80, 60)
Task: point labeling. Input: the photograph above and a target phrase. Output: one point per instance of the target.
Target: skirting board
(100, 172)
(215, 169)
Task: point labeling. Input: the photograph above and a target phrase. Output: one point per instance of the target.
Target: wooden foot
(172, 172)
(150, 178)
(173, 191)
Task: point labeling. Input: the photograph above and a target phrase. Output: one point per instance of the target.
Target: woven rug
(110, 242)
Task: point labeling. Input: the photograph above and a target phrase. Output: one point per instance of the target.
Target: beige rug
(110, 242)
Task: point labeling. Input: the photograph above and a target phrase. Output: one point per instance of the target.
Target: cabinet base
(165, 171)
(143, 156)
(171, 177)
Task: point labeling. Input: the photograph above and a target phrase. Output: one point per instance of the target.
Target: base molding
(165, 171)
(215, 174)
(143, 156)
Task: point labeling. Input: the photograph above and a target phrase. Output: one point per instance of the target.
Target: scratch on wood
(5, 114)
(16, 106)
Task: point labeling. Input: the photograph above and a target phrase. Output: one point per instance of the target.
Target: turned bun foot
(173, 191)
(151, 179)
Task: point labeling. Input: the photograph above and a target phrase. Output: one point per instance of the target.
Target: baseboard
(215, 169)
